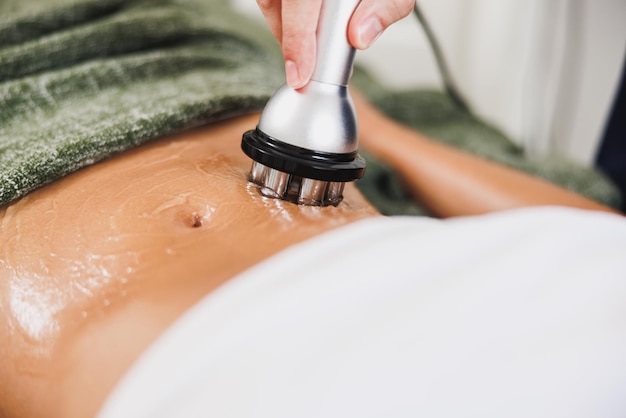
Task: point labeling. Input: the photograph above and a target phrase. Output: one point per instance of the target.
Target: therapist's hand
(294, 22)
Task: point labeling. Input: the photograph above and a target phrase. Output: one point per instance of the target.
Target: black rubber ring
(302, 162)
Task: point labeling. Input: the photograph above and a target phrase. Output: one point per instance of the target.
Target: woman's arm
(451, 182)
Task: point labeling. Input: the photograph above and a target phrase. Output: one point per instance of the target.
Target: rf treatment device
(305, 146)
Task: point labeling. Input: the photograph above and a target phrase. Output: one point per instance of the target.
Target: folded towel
(82, 80)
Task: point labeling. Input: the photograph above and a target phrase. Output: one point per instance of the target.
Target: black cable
(448, 82)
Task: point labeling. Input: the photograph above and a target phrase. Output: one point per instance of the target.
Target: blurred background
(545, 72)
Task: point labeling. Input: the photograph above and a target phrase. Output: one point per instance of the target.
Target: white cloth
(515, 314)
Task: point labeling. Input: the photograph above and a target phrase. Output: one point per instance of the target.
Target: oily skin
(95, 266)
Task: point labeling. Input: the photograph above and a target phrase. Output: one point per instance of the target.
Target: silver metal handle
(320, 116)
(335, 55)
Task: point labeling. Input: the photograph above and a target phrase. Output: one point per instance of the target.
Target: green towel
(82, 80)
(437, 116)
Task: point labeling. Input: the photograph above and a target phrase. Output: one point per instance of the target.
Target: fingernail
(292, 73)
(369, 31)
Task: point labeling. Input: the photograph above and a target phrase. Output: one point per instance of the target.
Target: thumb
(372, 17)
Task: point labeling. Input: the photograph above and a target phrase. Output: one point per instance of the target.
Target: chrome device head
(305, 147)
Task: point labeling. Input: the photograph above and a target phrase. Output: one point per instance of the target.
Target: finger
(271, 12)
(372, 17)
(299, 23)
